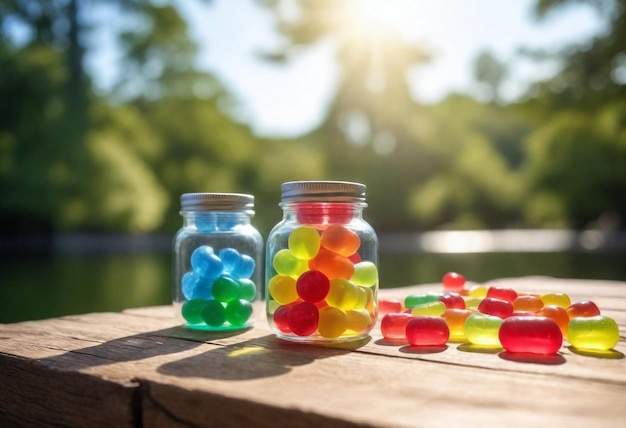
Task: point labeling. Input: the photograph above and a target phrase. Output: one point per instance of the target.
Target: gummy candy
(453, 281)
(333, 322)
(496, 307)
(280, 319)
(342, 294)
(472, 302)
(477, 291)
(213, 313)
(429, 309)
(358, 320)
(362, 298)
(312, 286)
(427, 331)
(527, 303)
(333, 265)
(230, 258)
(419, 299)
(215, 281)
(452, 300)
(340, 240)
(530, 334)
(597, 333)
(502, 293)
(393, 325)
(483, 330)
(583, 309)
(518, 322)
(246, 289)
(386, 306)
(192, 310)
(206, 263)
(285, 263)
(195, 286)
(455, 318)
(245, 268)
(558, 314)
(238, 311)
(304, 242)
(225, 289)
(558, 299)
(365, 274)
(324, 269)
(283, 289)
(303, 318)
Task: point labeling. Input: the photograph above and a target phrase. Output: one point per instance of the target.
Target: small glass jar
(217, 257)
(322, 264)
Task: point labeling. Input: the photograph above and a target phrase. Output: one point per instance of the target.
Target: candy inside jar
(322, 275)
(217, 269)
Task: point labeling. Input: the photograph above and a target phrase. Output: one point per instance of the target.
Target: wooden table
(138, 368)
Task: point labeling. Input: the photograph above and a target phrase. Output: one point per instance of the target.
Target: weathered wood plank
(169, 406)
(33, 394)
(140, 368)
(400, 392)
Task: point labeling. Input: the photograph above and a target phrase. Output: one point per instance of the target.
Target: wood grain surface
(139, 368)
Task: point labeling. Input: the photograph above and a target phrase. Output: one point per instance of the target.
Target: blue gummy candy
(206, 263)
(195, 286)
(231, 259)
(203, 289)
(245, 268)
(207, 222)
(188, 283)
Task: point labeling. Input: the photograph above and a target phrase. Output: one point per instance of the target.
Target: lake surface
(63, 284)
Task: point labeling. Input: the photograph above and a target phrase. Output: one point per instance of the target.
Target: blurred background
(491, 135)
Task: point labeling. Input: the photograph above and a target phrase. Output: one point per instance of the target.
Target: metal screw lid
(322, 191)
(217, 202)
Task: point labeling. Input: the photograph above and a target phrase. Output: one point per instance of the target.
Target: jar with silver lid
(217, 262)
(322, 264)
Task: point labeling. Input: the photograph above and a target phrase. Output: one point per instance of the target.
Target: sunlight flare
(375, 15)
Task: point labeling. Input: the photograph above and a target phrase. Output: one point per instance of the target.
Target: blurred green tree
(200, 147)
(33, 167)
(575, 171)
(577, 168)
(593, 73)
(489, 73)
(424, 166)
(474, 186)
(165, 129)
(70, 161)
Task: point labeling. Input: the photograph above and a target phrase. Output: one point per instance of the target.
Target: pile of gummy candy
(218, 289)
(497, 317)
(322, 288)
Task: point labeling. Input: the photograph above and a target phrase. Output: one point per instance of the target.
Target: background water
(55, 285)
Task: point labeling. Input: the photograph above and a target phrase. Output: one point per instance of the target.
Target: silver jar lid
(322, 191)
(217, 202)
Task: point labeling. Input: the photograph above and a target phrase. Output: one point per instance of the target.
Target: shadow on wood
(260, 357)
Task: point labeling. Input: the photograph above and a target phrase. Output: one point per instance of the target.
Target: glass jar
(322, 264)
(217, 257)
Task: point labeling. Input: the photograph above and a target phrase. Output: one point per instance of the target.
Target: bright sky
(290, 100)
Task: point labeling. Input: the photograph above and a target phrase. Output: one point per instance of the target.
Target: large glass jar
(217, 257)
(322, 264)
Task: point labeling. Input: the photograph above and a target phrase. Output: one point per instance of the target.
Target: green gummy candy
(192, 310)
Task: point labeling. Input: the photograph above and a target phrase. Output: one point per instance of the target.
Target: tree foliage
(73, 159)
(580, 160)
(593, 73)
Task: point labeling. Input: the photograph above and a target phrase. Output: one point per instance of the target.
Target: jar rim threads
(217, 202)
(322, 191)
